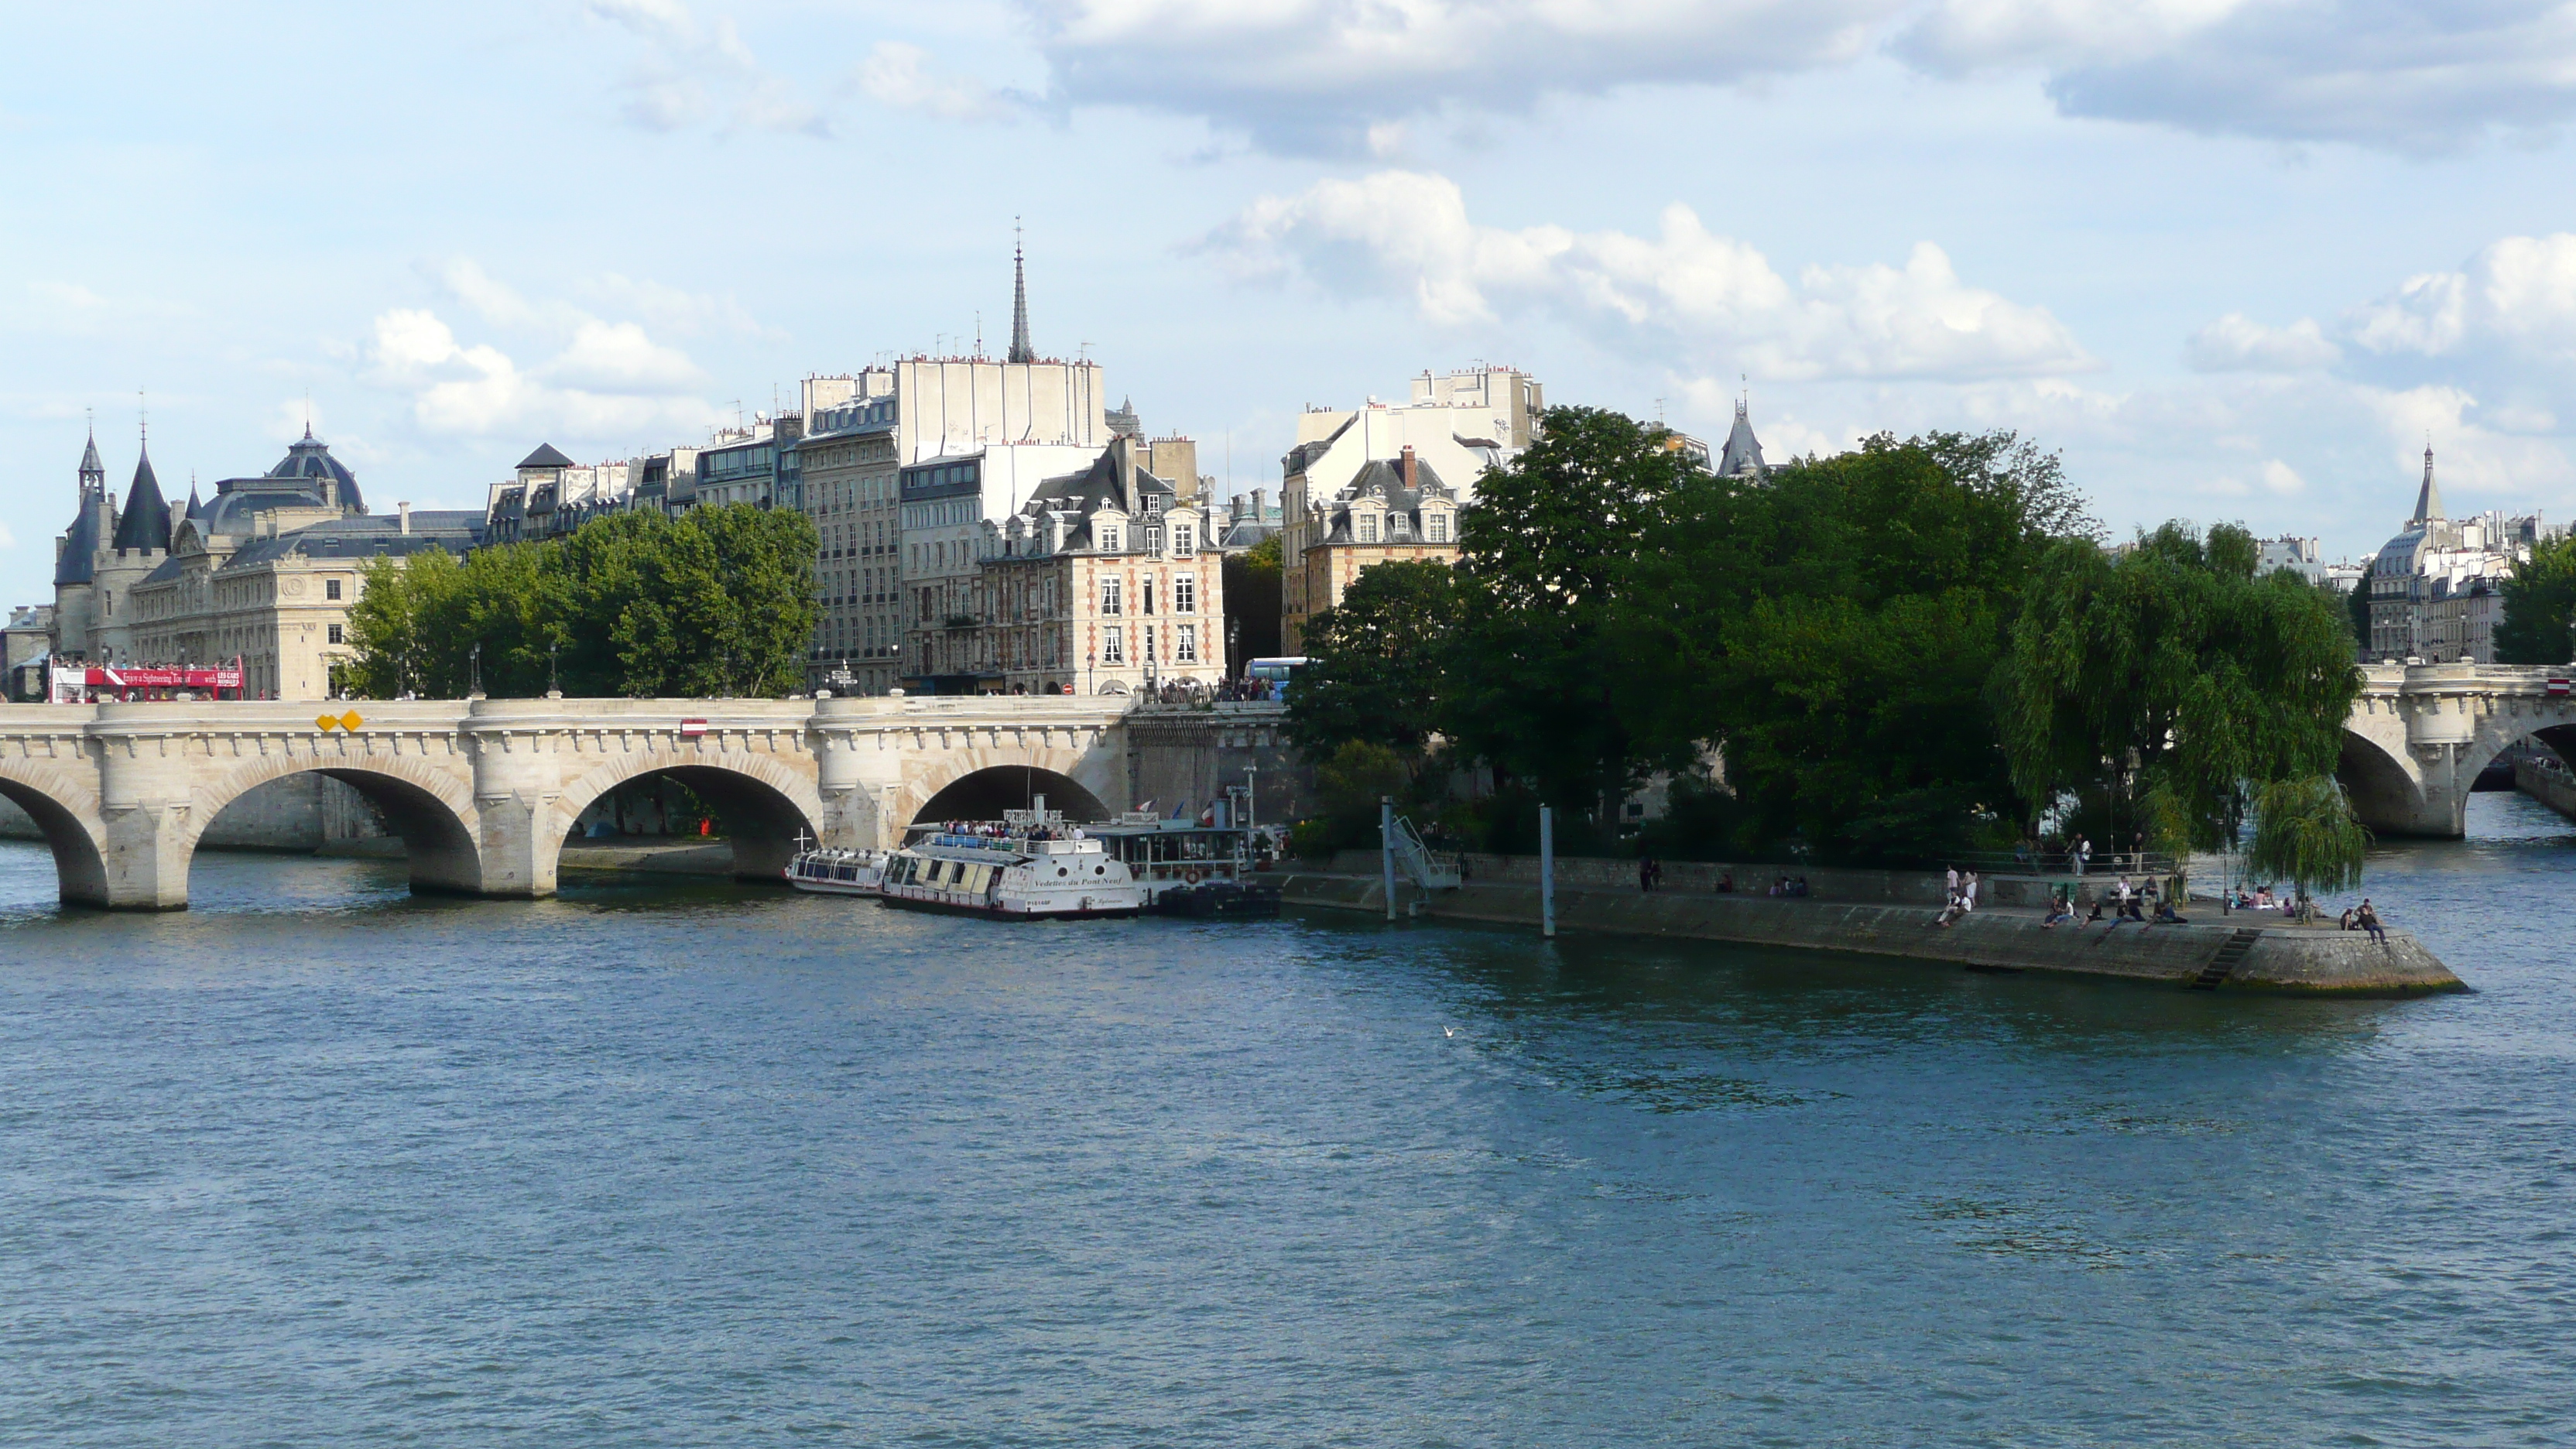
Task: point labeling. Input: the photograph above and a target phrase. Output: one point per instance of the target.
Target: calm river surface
(317, 1164)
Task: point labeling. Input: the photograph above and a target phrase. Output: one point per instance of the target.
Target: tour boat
(1189, 869)
(1030, 867)
(837, 872)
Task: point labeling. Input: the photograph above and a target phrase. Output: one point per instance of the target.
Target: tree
(1376, 660)
(2305, 833)
(2171, 678)
(2357, 613)
(1252, 602)
(717, 603)
(1834, 628)
(1543, 554)
(2539, 623)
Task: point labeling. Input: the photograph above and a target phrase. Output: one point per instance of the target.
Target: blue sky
(2236, 258)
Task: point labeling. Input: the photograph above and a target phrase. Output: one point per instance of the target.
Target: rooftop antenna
(979, 334)
(1085, 354)
(142, 420)
(1659, 412)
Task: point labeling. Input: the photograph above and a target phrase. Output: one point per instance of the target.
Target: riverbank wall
(2274, 958)
(2554, 788)
(1699, 877)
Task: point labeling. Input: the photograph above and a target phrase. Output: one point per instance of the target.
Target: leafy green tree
(2539, 623)
(1544, 552)
(717, 603)
(1376, 661)
(1834, 628)
(1252, 603)
(2357, 614)
(2170, 676)
(2305, 833)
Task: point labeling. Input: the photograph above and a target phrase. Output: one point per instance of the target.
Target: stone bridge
(483, 792)
(2420, 733)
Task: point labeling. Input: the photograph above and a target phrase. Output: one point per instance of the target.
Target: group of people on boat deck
(990, 830)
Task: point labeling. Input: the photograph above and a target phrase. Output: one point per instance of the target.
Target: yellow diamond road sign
(350, 721)
(325, 723)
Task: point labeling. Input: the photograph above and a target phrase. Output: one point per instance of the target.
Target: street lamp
(1090, 668)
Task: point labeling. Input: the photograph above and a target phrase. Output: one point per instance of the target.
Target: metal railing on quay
(2062, 862)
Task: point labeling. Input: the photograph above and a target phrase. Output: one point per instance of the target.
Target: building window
(1109, 540)
(1435, 527)
(1185, 594)
(1110, 600)
(1153, 540)
(1183, 539)
(331, 590)
(1397, 525)
(1364, 527)
(335, 634)
(1186, 650)
(1113, 645)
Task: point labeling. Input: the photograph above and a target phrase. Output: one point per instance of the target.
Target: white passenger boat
(1189, 869)
(837, 872)
(1033, 866)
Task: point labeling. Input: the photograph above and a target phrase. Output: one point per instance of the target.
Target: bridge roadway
(483, 792)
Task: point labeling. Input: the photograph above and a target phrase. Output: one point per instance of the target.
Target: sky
(2237, 260)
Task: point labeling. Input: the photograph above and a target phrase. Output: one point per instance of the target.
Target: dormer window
(1153, 540)
(1398, 526)
(1435, 527)
(1153, 503)
(1108, 539)
(1364, 527)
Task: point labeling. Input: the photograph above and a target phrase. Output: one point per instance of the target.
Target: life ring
(1189, 877)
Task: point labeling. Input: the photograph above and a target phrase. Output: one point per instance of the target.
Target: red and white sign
(75, 684)
(690, 729)
(2558, 686)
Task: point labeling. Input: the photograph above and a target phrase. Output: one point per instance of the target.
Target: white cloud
(1325, 75)
(1318, 75)
(896, 76)
(2518, 294)
(602, 378)
(692, 73)
(2281, 478)
(1694, 296)
(7, 539)
(2236, 343)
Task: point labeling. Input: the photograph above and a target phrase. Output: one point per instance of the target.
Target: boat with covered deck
(1031, 866)
(1190, 868)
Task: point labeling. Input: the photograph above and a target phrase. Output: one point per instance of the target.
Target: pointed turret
(1020, 349)
(145, 523)
(76, 556)
(1743, 455)
(2428, 500)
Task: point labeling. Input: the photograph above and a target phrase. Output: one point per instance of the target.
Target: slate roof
(145, 523)
(79, 559)
(1742, 457)
(1383, 479)
(546, 456)
(454, 530)
(310, 460)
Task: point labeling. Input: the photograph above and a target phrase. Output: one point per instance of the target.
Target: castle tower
(140, 545)
(76, 557)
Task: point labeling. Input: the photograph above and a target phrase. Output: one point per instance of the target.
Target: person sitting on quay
(1726, 883)
(2344, 923)
(2368, 920)
(2166, 915)
(2061, 907)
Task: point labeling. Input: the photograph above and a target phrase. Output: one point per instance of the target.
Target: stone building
(1104, 582)
(1391, 512)
(26, 644)
(1455, 427)
(264, 571)
(2436, 589)
(549, 495)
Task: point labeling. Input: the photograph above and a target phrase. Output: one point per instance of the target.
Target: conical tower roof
(146, 520)
(1743, 455)
(77, 563)
(2428, 499)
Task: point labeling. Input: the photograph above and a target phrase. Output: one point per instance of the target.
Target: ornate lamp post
(1090, 668)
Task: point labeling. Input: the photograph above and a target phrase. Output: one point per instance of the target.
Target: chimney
(1408, 465)
(404, 509)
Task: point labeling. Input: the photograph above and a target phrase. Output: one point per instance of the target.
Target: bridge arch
(431, 809)
(762, 805)
(984, 794)
(67, 813)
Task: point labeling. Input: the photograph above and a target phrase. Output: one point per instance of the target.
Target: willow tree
(2305, 833)
(2169, 677)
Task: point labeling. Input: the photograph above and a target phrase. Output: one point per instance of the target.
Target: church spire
(145, 521)
(1020, 349)
(2428, 501)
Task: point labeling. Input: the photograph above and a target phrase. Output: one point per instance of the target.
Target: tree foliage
(2539, 623)
(717, 603)
(1377, 661)
(2305, 833)
(2171, 676)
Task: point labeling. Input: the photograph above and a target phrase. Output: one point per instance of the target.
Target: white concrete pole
(1546, 872)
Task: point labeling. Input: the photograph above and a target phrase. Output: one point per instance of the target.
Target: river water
(314, 1163)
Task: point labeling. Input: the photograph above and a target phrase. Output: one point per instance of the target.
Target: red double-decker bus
(86, 684)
